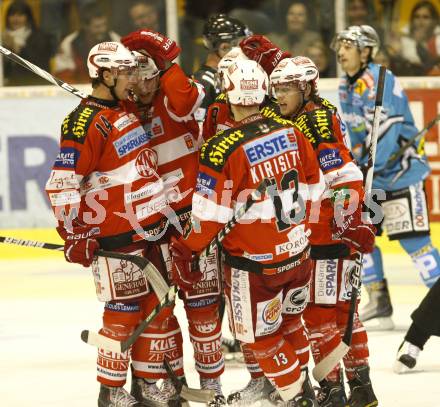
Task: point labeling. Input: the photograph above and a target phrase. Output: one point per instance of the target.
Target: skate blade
(379, 324)
(400, 368)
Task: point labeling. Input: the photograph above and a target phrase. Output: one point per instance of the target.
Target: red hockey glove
(155, 45)
(261, 49)
(355, 234)
(182, 260)
(79, 246)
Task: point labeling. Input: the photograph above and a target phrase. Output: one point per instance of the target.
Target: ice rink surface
(45, 304)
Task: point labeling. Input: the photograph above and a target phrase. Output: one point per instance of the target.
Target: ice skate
(406, 358)
(331, 394)
(256, 389)
(116, 397)
(169, 391)
(379, 309)
(148, 394)
(361, 390)
(214, 384)
(232, 352)
(306, 398)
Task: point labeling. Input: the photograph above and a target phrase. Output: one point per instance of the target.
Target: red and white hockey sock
(162, 339)
(294, 333)
(205, 335)
(119, 320)
(323, 334)
(251, 362)
(277, 358)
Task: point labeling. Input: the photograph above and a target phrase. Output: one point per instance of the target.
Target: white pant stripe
(206, 338)
(283, 372)
(111, 374)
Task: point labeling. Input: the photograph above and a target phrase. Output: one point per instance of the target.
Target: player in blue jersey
(401, 165)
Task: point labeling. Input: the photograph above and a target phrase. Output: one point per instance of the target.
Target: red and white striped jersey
(232, 164)
(109, 169)
(323, 127)
(175, 138)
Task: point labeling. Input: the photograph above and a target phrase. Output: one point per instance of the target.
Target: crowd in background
(57, 34)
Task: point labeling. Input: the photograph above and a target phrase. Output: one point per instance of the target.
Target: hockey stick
(101, 341)
(325, 366)
(152, 274)
(185, 392)
(399, 153)
(41, 72)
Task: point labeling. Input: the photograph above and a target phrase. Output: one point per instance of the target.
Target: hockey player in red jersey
(167, 100)
(266, 286)
(220, 117)
(104, 190)
(337, 230)
(174, 138)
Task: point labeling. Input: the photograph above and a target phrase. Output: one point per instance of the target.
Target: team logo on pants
(296, 300)
(269, 316)
(272, 311)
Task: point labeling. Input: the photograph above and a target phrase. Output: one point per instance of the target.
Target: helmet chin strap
(111, 88)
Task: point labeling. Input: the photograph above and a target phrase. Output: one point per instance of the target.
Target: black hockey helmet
(222, 28)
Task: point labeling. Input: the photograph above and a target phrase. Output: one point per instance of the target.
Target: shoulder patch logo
(75, 125)
(216, 151)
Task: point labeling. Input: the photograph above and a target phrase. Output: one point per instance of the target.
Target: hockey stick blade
(197, 395)
(100, 341)
(326, 365)
(185, 392)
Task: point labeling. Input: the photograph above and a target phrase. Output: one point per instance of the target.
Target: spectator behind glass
(416, 53)
(252, 15)
(318, 53)
(297, 35)
(361, 12)
(145, 14)
(70, 63)
(22, 36)
(357, 12)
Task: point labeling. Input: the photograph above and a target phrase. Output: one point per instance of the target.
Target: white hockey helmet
(110, 55)
(300, 70)
(361, 36)
(147, 67)
(246, 83)
(235, 54)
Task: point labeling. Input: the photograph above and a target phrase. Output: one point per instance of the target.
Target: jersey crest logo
(146, 163)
